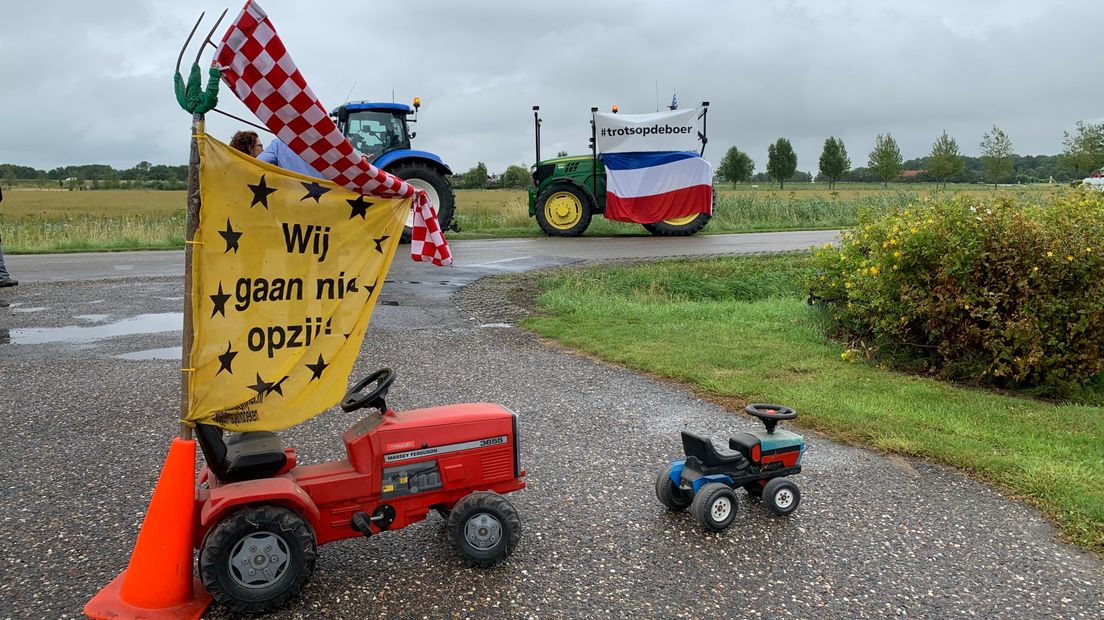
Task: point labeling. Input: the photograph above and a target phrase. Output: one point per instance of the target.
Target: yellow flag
(285, 274)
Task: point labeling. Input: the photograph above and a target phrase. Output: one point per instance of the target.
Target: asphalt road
(84, 428)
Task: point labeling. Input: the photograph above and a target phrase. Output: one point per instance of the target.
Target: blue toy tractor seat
(250, 456)
(708, 454)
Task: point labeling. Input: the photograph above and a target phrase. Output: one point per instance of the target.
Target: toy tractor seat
(250, 456)
(708, 454)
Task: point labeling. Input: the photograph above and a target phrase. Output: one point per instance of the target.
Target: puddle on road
(141, 324)
(168, 353)
(28, 310)
(93, 318)
(495, 326)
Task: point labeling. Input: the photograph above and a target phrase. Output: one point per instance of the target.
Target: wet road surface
(89, 379)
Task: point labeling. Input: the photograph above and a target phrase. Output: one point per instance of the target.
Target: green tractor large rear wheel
(681, 226)
(563, 211)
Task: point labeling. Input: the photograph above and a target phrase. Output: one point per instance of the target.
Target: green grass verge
(739, 328)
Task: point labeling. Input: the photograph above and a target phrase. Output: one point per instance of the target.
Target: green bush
(995, 291)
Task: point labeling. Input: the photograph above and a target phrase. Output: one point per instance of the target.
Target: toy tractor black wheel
(754, 489)
(715, 506)
(781, 496)
(484, 528)
(256, 559)
(674, 498)
(563, 210)
(436, 186)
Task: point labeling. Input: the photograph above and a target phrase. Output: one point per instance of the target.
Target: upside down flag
(257, 67)
(652, 187)
(286, 270)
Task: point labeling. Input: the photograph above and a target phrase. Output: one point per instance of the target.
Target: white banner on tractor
(678, 130)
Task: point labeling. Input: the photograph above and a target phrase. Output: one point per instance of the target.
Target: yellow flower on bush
(1049, 253)
(1036, 268)
(897, 254)
(848, 356)
(1069, 257)
(873, 271)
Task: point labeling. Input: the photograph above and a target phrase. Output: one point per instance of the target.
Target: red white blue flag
(651, 187)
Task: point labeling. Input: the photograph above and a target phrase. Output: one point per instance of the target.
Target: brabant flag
(255, 64)
(286, 270)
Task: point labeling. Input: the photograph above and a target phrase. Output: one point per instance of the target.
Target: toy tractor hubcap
(563, 210)
(783, 498)
(483, 531)
(258, 560)
(721, 508)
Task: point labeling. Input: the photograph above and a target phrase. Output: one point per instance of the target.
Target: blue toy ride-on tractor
(760, 462)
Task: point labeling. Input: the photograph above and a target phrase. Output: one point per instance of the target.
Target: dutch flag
(645, 188)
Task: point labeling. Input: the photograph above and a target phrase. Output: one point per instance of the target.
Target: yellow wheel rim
(681, 221)
(563, 210)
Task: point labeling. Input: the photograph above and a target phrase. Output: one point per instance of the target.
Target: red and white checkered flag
(257, 67)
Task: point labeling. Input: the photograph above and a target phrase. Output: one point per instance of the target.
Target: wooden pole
(192, 223)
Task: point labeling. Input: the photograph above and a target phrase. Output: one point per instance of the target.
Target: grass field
(740, 330)
(34, 220)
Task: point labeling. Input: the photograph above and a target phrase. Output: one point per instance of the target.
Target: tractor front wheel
(563, 211)
(781, 496)
(484, 528)
(254, 560)
(435, 185)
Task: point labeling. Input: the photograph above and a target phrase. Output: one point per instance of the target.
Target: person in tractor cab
(278, 154)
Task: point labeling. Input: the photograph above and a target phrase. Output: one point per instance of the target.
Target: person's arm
(269, 154)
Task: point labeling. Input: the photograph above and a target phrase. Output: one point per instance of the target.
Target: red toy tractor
(260, 516)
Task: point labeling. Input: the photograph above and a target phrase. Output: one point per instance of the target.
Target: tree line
(1082, 154)
(100, 176)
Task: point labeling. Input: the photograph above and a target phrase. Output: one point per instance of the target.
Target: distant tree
(834, 162)
(561, 154)
(1083, 150)
(516, 177)
(9, 178)
(40, 179)
(945, 160)
(781, 161)
(476, 178)
(736, 166)
(996, 156)
(885, 159)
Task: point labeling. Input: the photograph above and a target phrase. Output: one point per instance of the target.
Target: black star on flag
(261, 192)
(220, 300)
(276, 387)
(371, 288)
(231, 236)
(314, 190)
(226, 359)
(261, 387)
(360, 207)
(379, 243)
(317, 368)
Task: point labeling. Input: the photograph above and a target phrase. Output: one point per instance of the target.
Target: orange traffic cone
(158, 583)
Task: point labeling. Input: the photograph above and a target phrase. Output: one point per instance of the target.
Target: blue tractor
(380, 131)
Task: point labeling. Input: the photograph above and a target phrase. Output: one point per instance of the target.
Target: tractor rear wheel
(563, 211)
(674, 498)
(257, 558)
(682, 226)
(435, 185)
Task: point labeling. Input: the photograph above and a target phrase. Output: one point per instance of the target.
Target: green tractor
(568, 191)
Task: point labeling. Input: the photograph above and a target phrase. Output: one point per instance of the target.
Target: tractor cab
(375, 128)
(381, 132)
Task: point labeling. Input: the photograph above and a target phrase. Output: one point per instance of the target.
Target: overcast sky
(90, 82)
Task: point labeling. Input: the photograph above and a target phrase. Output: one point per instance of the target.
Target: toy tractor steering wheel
(771, 415)
(355, 400)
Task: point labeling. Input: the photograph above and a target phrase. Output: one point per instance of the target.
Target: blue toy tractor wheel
(715, 506)
(781, 496)
(674, 498)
